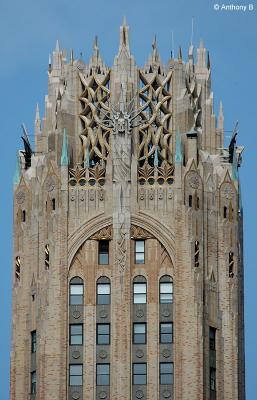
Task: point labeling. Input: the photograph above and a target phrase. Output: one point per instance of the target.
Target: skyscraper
(128, 269)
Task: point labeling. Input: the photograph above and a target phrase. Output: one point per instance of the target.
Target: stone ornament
(104, 234)
(20, 197)
(75, 354)
(137, 232)
(166, 313)
(76, 314)
(139, 394)
(75, 395)
(193, 180)
(102, 395)
(166, 353)
(50, 184)
(139, 353)
(103, 354)
(140, 313)
(166, 394)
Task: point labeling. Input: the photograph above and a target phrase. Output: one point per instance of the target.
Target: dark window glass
(139, 293)
(33, 341)
(166, 373)
(231, 264)
(190, 200)
(103, 293)
(139, 251)
(225, 212)
(102, 374)
(103, 252)
(47, 256)
(103, 334)
(212, 338)
(76, 375)
(53, 204)
(197, 254)
(139, 333)
(212, 379)
(33, 383)
(139, 374)
(23, 216)
(166, 332)
(76, 293)
(166, 292)
(76, 334)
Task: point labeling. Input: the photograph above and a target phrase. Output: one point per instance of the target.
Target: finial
(37, 121)
(154, 44)
(95, 47)
(71, 57)
(49, 63)
(17, 173)
(178, 155)
(221, 110)
(201, 45)
(37, 118)
(64, 157)
(124, 41)
(180, 55)
(208, 60)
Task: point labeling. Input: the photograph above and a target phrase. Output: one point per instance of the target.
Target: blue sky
(28, 31)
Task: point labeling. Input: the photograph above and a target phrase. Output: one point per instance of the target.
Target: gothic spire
(37, 121)
(124, 37)
(180, 55)
(201, 55)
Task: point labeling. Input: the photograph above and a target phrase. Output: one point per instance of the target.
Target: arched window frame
(139, 290)
(103, 291)
(165, 297)
(76, 291)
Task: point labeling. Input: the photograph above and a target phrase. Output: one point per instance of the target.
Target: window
(18, 267)
(23, 216)
(139, 293)
(33, 382)
(139, 251)
(103, 252)
(102, 374)
(139, 333)
(225, 212)
(190, 200)
(47, 256)
(76, 375)
(212, 338)
(231, 264)
(103, 293)
(166, 332)
(33, 341)
(166, 373)
(197, 202)
(76, 334)
(166, 291)
(213, 379)
(103, 334)
(53, 204)
(76, 291)
(197, 254)
(139, 374)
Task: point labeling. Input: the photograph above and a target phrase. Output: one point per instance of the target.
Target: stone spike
(208, 60)
(221, 114)
(178, 155)
(17, 173)
(57, 46)
(180, 55)
(71, 57)
(37, 121)
(37, 118)
(64, 157)
(154, 44)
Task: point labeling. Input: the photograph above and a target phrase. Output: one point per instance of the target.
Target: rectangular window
(139, 374)
(166, 332)
(139, 251)
(76, 375)
(103, 293)
(76, 334)
(213, 379)
(103, 334)
(212, 338)
(166, 292)
(76, 294)
(102, 374)
(139, 293)
(166, 373)
(33, 342)
(139, 333)
(33, 382)
(103, 252)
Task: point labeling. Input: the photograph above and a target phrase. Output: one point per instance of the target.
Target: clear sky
(28, 31)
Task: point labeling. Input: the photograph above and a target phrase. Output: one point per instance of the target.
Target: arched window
(225, 211)
(76, 291)
(53, 204)
(23, 216)
(139, 290)
(103, 290)
(166, 290)
(190, 199)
